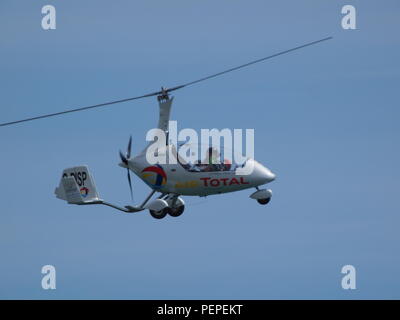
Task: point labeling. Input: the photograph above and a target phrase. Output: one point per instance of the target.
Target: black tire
(160, 214)
(264, 201)
(176, 212)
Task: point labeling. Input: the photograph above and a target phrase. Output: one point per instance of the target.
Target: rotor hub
(163, 96)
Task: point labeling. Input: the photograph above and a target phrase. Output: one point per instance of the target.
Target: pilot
(227, 165)
(212, 160)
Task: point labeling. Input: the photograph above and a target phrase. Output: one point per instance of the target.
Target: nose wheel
(263, 196)
(264, 201)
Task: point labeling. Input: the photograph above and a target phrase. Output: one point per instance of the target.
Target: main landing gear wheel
(264, 201)
(177, 211)
(160, 214)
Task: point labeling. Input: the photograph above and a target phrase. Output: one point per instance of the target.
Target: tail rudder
(77, 186)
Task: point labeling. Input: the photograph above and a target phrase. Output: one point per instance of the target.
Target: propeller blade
(123, 158)
(130, 183)
(128, 153)
(164, 91)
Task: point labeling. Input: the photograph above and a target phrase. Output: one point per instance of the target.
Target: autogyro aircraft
(175, 178)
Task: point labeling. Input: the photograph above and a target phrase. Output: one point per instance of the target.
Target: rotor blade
(128, 153)
(248, 64)
(79, 109)
(165, 91)
(130, 183)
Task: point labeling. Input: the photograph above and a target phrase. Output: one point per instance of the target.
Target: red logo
(208, 182)
(84, 192)
(158, 173)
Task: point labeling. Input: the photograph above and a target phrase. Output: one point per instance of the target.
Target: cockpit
(212, 159)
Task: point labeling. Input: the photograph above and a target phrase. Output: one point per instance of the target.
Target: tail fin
(77, 186)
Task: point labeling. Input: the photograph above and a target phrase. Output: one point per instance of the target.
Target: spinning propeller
(163, 91)
(124, 159)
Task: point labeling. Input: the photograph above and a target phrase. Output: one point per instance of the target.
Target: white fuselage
(174, 178)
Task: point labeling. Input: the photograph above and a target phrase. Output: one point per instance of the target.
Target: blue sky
(325, 119)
